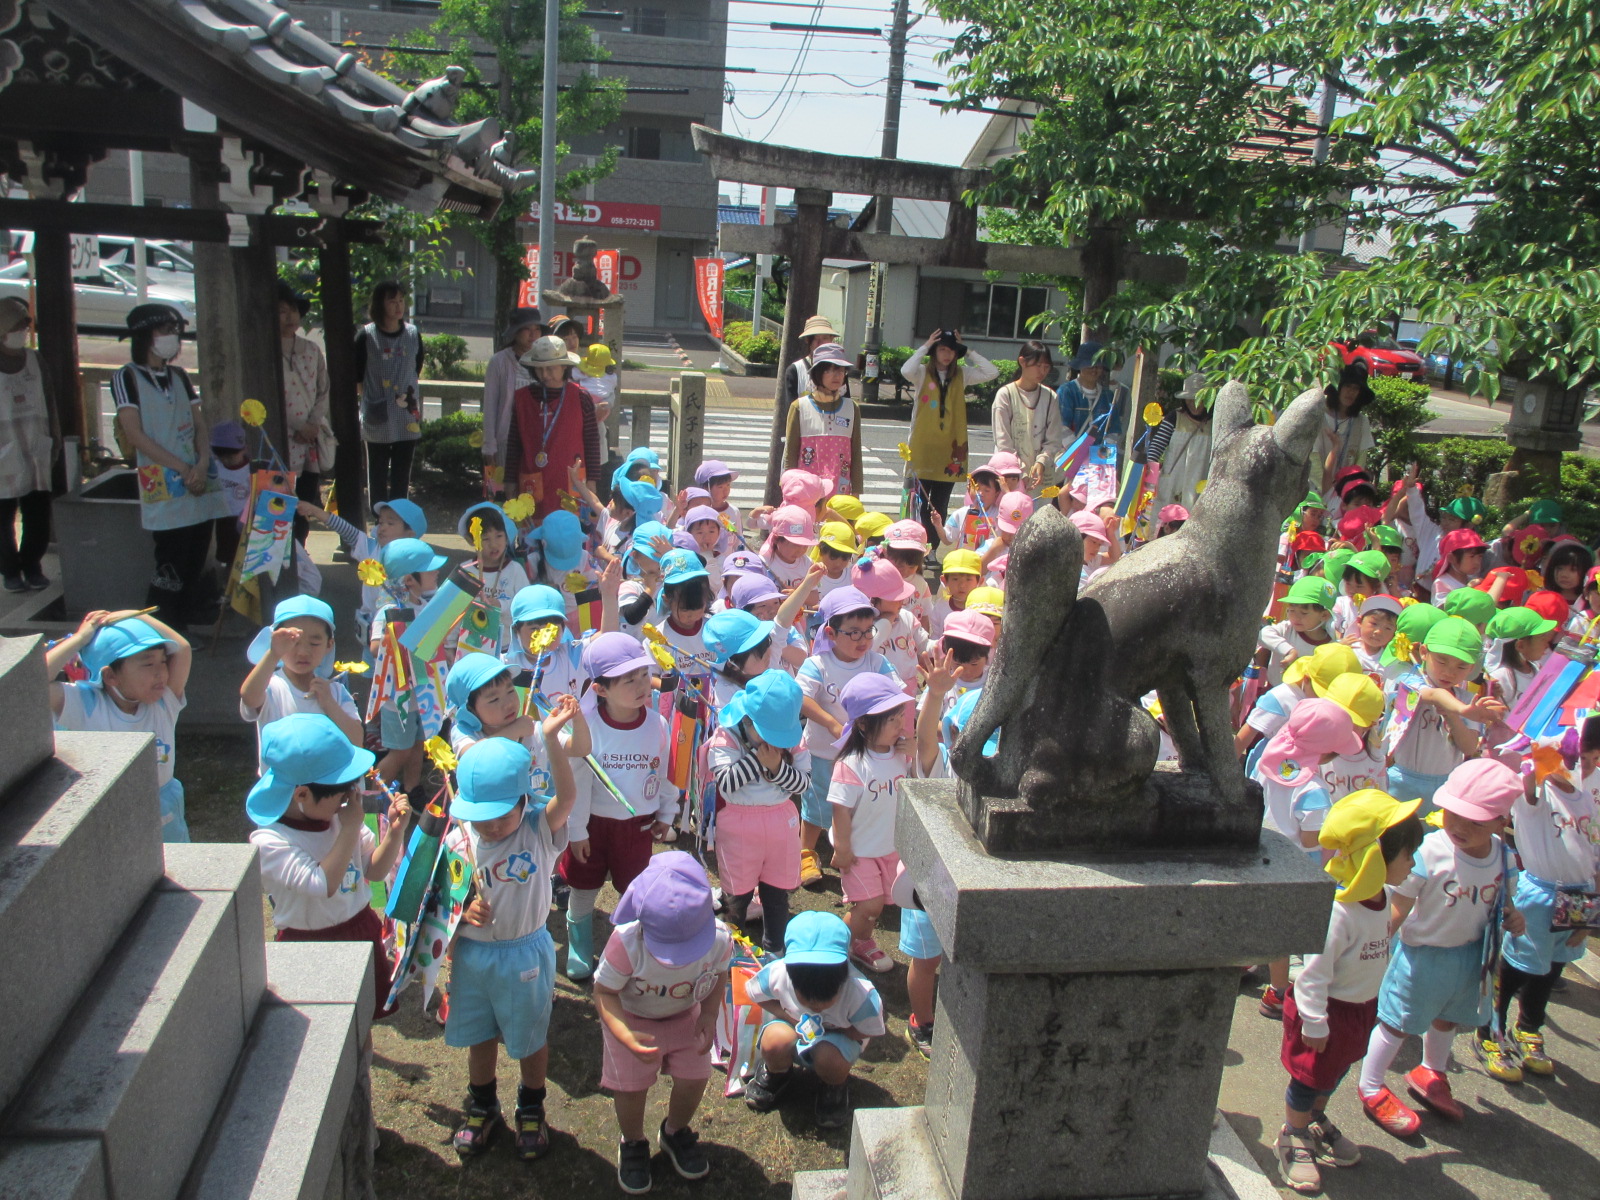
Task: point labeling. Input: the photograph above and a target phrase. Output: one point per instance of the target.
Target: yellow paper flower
(1535, 581)
(1358, 600)
(475, 532)
(370, 571)
(652, 634)
(663, 656)
(905, 451)
(475, 439)
(519, 508)
(413, 428)
(1401, 645)
(253, 413)
(1049, 493)
(1464, 491)
(1201, 486)
(547, 636)
(1153, 414)
(439, 751)
(1408, 601)
(351, 668)
(575, 582)
(1530, 545)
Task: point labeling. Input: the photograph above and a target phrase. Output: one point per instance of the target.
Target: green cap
(1546, 512)
(1312, 561)
(1312, 500)
(1388, 535)
(1467, 508)
(1372, 563)
(1414, 622)
(1333, 563)
(1310, 589)
(1518, 623)
(1470, 603)
(1456, 638)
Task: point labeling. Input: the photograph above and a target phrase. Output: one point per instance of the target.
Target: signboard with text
(708, 287)
(641, 218)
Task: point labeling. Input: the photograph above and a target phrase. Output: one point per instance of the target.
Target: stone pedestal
(1083, 1013)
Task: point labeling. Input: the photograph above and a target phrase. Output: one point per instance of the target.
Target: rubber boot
(580, 947)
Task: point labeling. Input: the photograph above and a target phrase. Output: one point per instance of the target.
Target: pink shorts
(758, 844)
(623, 1071)
(869, 878)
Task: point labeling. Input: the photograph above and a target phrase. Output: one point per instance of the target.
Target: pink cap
(970, 626)
(1003, 462)
(1314, 728)
(1172, 512)
(880, 579)
(1480, 789)
(1015, 508)
(1079, 491)
(906, 535)
(1090, 525)
(794, 523)
(803, 488)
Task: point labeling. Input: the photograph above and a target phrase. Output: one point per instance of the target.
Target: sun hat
(1352, 829)
(846, 507)
(1090, 526)
(803, 488)
(520, 319)
(562, 537)
(700, 512)
(906, 535)
(772, 703)
(1314, 728)
(1312, 561)
(643, 535)
(1528, 544)
(872, 524)
(1085, 356)
(817, 326)
(1333, 563)
(1351, 477)
(298, 749)
(1310, 589)
(612, 655)
(1358, 695)
(1003, 462)
(464, 522)
(879, 579)
(1193, 384)
(14, 313)
(295, 608)
(829, 354)
(733, 631)
(646, 499)
(549, 351)
(227, 435)
(410, 556)
(1170, 513)
(713, 468)
(754, 589)
(671, 899)
(684, 540)
(1456, 638)
(113, 643)
(1014, 509)
(469, 673)
(1552, 606)
(990, 601)
(1388, 535)
(537, 602)
(409, 512)
(639, 456)
(1468, 603)
(1409, 630)
(1322, 666)
(1480, 789)
(743, 562)
(947, 337)
(491, 776)
(1372, 563)
(1381, 603)
(1512, 623)
(816, 939)
(1546, 512)
(962, 562)
(1513, 590)
(597, 360)
(866, 695)
(794, 524)
(838, 536)
(679, 566)
(970, 626)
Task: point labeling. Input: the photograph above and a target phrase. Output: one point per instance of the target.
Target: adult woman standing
(552, 427)
(28, 438)
(1182, 445)
(939, 417)
(160, 418)
(1347, 433)
(1027, 420)
(504, 375)
(388, 365)
(305, 403)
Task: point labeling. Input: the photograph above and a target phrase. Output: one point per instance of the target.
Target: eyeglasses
(855, 635)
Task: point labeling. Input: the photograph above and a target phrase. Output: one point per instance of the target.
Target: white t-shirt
(1352, 772)
(940, 614)
(1296, 810)
(821, 677)
(1280, 639)
(831, 583)
(1425, 746)
(1444, 585)
(283, 698)
(921, 604)
(86, 708)
(1272, 709)
(634, 758)
(857, 1006)
(1558, 835)
(235, 484)
(1455, 894)
(513, 875)
(1344, 616)
(1350, 967)
(627, 594)
(292, 875)
(1371, 661)
(868, 784)
(786, 575)
(646, 986)
(902, 640)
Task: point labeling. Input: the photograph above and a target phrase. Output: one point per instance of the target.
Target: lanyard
(548, 423)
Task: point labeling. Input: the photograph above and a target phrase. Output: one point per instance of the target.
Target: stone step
(80, 849)
(26, 735)
(71, 1169)
(144, 1059)
(232, 869)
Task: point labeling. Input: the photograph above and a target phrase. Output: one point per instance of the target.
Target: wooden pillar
(55, 319)
(339, 338)
(805, 281)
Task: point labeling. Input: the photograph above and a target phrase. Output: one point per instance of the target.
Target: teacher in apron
(940, 372)
(28, 438)
(388, 366)
(552, 428)
(160, 419)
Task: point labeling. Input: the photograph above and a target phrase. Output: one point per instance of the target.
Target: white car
(103, 299)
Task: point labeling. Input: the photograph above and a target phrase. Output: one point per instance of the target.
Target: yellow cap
(1351, 831)
(962, 562)
(838, 535)
(1357, 695)
(1322, 666)
(596, 359)
(846, 506)
(990, 601)
(872, 524)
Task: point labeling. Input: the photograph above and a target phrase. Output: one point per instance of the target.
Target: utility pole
(547, 150)
(1319, 148)
(884, 211)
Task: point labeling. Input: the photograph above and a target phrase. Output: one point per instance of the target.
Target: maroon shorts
(1349, 1027)
(619, 848)
(365, 926)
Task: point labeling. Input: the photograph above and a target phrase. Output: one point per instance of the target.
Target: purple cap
(713, 468)
(701, 512)
(609, 655)
(865, 695)
(692, 494)
(671, 900)
(227, 435)
(843, 600)
(744, 562)
(684, 540)
(754, 589)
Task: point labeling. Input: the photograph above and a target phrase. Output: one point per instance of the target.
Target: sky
(826, 91)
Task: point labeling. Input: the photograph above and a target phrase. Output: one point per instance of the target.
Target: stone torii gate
(810, 238)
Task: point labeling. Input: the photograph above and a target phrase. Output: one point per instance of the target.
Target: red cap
(1552, 606)
(1516, 584)
(1459, 539)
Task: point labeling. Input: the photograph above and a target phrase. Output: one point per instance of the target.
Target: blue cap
(644, 498)
(772, 702)
(813, 937)
(491, 776)
(960, 713)
(470, 672)
(464, 525)
(562, 538)
(1085, 357)
(643, 535)
(537, 602)
(113, 643)
(641, 455)
(294, 608)
(679, 566)
(410, 556)
(408, 511)
(733, 631)
(298, 749)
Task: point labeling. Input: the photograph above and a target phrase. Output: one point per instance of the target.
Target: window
(652, 22)
(993, 311)
(643, 142)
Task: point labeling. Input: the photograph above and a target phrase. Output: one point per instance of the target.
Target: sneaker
(683, 1151)
(764, 1090)
(833, 1106)
(1433, 1089)
(671, 835)
(36, 581)
(1297, 1160)
(869, 958)
(478, 1130)
(533, 1135)
(1331, 1146)
(13, 583)
(1390, 1114)
(921, 1037)
(1271, 1005)
(1534, 1060)
(810, 869)
(560, 894)
(633, 1167)
(1498, 1060)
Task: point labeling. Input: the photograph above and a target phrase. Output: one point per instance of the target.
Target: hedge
(453, 444)
(748, 345)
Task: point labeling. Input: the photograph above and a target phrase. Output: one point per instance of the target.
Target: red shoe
(1433, 1089)
(1390, 1115)
(1271, 1006)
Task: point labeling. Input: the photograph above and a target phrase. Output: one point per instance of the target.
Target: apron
(167, 414)
(552, 441)
(390, 381)
(825, 441)
(299, 400)
(24, 431)
(1186, 464)
(939, 427)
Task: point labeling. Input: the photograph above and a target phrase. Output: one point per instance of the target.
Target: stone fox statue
(1181, 617)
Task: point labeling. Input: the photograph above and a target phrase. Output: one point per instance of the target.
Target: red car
(1382, 355)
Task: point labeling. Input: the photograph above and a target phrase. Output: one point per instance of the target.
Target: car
(1381, 355)
(165, 262)
(104, 298)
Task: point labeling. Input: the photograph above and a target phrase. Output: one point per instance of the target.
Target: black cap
(151, 316)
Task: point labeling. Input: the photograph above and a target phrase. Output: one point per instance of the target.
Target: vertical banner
(608, 266)
(528, 293)
(708, 286)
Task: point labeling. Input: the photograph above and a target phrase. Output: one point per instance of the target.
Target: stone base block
(27, 736)
(821, 1185)
(73, 1169)
(232, 869)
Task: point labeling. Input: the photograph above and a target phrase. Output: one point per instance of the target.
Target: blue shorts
(1537, 951)
(174, 821)
(399, 733)
(917, 936)
(501, 991)
(847, 1046)
(814, 806)
(1411, 785)
(1425, 984)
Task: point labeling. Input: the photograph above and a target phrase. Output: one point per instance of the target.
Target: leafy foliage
(446, 444)
(753, 347)
(413, 247)
(1399, 410)
(443, 355)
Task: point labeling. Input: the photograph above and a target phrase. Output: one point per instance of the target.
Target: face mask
(166, 346)
(17, 340)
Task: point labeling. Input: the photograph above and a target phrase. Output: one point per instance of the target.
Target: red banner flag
(708, 286)
(608, 266)
(528, 293)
